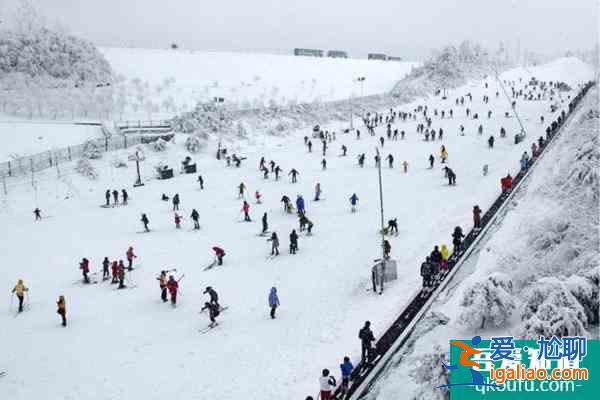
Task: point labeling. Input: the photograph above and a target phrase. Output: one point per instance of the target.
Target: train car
(308, 52)
(377, 56)
(337, 54)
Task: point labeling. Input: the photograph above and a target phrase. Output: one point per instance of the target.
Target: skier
(361, 160)
(84, 266)
(195, 217)
(115, 272)
(366, 338)
(38, 214)
(431, 160)
(426, 273)
(272, 165)
(62, 309)
(346, 367)
(387, 249)
(326, 384)
(344, 150)
(241, 189)
(115, 194)
(177, 219)
(20, 290)
(214, 296)
(257, 196)
(476, 217)
(201, 182)
(300, 205)
(357, 134)
(173, 287)
(393, 226)
(176, 202)
(317, 191)
(324, 164)
(293, 242)
(491, 142)
(287, 204)
(294, 174)
(390, 159)
(265, 225)
(145, 221)
(309, 144)
(130, 256)
(213, 313)
(125, 196)
(353, 202)
(450, 175)
(524, 161)
(121, 275)
(107, 196)
(273, 301)
(277, 172)
(274, 244)
(219, 253)
(485, 169)
(381, 140)
(162, 283)
(305, 223)
(377, 160)
(457, 237)
(324, 148)
(246, 211)
(105, 265)
(444, 154)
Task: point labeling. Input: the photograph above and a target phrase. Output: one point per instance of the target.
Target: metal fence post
(9, 169)
(125, 140)
(50, 157)
(106, 144)
(69, 151)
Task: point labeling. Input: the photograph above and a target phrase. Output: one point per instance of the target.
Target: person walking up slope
(173, 287)
(62, 309)
(353, 202)
(20, 290)
(274, 244)
(246, 211)
(273, 301)
(327, 384)
(293, 242)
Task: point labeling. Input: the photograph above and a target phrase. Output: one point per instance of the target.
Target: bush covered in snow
(487, 303)
(118, 162)
(159, 145)
(91, 150)
(85, 168)
(428, 372)
(195, 143)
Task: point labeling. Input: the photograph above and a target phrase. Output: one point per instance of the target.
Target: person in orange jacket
(130, 256)
(115, 272)
(177, 221)
(62, 309)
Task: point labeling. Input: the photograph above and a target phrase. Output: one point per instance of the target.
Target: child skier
(219, 253)
(130, 256)
(84, 266)
(105, 265)
(317, 191)
(162, 283)
(274, 244)
(38, 214)
(20, 290)
(246, 211)
(173, 287)
(177, 219)
(293, 242)
(195, 216)
(62, 309)
(353, 202)
(145, 221)
(273, 301)
(213, 313)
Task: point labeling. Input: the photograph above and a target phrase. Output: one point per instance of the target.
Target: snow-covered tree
(488, 302)
(91, 150)
(428, 373)
(159, 145)
(85, 168)
(194, 143)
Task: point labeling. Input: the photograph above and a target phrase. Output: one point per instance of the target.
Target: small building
(377, 56)
(337, 54)
(308, 52)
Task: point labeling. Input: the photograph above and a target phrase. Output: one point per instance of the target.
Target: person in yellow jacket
(62, 309)
(444, 154)
(445, 255)
(20, 290)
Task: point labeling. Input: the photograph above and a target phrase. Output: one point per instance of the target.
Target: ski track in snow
(128, 343)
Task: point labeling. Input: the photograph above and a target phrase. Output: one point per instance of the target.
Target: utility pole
(361, 79)
(380, 202)
(138, 158)
(217, 101)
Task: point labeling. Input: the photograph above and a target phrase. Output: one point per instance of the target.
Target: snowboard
(208, 328)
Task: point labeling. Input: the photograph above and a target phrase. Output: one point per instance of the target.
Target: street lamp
(138, 158)
(217, 101)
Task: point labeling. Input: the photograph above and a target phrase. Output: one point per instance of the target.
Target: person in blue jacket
(346, 368)
(273, 301)
(354, 201)
(300, 205)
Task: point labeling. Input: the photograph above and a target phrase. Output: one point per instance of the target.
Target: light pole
(361, 79)
(380, 201)
(217, 101)
(138, 158)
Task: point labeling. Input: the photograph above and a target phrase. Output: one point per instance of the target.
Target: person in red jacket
(246, 210)
(173, 286)
(115, 272)
(177, 221)
(219, 253)
(476, 217)
(84, 266)
(130, 256)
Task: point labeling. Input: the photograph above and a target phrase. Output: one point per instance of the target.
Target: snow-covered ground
(128, 344)
(31, 137)
(248, 80)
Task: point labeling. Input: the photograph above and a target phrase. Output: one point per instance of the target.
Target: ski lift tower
(219, 100)
(385, 268)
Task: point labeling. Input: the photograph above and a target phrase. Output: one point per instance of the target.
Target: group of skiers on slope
(177, 218)
(115, 197)
(116, 268)
(273, 168)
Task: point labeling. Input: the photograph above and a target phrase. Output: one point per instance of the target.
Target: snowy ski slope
(127, 344)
